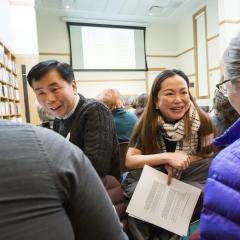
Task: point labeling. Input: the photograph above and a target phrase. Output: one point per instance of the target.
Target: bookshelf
(9, 90)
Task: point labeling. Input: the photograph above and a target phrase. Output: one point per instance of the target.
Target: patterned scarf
(175, 132)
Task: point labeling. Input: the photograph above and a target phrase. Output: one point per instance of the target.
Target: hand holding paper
(169, 207)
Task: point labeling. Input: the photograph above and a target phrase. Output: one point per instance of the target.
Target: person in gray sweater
(49, 189)
(85, 122)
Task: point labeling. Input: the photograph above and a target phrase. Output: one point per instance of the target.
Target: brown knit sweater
(92, 129)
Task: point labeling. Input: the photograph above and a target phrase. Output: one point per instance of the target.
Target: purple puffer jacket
(229, 136)
(220, 218)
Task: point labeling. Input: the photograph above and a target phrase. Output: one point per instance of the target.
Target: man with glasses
(221, 212)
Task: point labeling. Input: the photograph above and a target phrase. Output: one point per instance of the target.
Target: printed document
(167, 206)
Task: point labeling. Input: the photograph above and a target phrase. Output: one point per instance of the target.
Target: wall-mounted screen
(107, 47)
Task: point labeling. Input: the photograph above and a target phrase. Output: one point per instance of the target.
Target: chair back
(123, 147)
(115, 192)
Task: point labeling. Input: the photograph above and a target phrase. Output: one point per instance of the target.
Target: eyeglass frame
(220, 84)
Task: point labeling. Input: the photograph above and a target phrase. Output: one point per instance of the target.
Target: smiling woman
(173, 99)
(173, 135)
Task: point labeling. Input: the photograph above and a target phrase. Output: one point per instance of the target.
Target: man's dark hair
(42, 68)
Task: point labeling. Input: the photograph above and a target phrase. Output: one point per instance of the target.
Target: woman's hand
(136, 159)
(172, 173)
(178, 160)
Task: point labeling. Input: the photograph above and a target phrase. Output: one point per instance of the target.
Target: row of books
(9, 108)
(8, 77)
(6, 60)
(9, 92)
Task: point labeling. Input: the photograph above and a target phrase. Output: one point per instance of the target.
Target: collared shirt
(72, 111)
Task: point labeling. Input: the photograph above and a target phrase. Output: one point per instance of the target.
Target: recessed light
(67, 6)
(155, 10)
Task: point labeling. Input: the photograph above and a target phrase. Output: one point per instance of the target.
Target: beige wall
(167, 46)
(55, 45)
(229, 21)
(186, 61)
(19, 33)
(5, 26)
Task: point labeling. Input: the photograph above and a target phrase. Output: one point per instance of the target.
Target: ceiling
(117, 10)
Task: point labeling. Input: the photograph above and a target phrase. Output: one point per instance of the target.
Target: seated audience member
(49, 189)
(139, 104)
(124, 121)
(224, 115)
(45, 117)
(174, 136)
(221, 213)
(85, 122)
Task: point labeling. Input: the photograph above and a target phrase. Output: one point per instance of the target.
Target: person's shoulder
(225, 167)
(132, 115)
(234, 147)
(6, 123)
(42, 136)
(94, 104)
(47, 136)
(57, 149)
(20, 127)
(229, 154)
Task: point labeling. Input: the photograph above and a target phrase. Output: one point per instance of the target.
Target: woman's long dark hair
(147, 126)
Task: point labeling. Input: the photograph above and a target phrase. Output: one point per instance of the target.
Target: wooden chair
(123, 147)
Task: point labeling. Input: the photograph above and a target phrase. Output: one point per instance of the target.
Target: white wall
(24, 29)
(185, 41)
(5, 32)
(161, 39)
(229, 18)
(18, 33)
(52, 35)
(18, 28)
(164, 40)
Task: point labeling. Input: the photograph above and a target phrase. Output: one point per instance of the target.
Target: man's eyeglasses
(222, 87)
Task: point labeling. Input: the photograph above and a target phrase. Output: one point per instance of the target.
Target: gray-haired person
(49, 189)
(223, 114)
(220, 217)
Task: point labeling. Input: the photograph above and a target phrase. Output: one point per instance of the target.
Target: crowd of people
(52, 181)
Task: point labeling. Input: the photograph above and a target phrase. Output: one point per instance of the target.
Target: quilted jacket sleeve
(229, 136)
(100, 140)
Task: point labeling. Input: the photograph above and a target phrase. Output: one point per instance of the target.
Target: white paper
(167, 206)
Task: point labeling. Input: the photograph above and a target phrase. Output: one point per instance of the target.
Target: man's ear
(74, 86)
